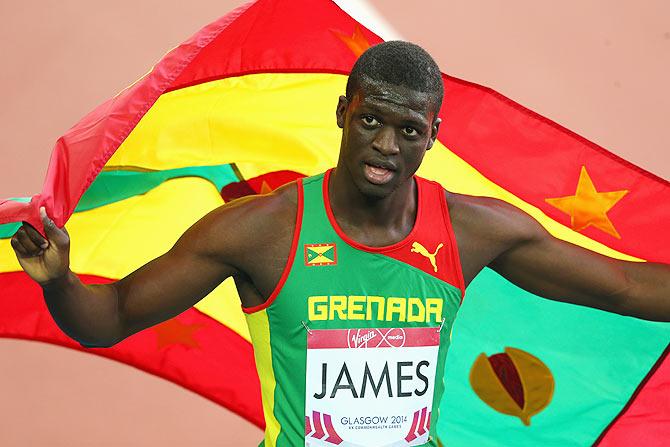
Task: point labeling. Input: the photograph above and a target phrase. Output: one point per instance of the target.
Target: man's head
(389, 116)
(398, 63)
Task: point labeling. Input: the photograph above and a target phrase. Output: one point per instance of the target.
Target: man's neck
(361, 214)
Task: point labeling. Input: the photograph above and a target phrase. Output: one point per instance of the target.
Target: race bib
(370, 387)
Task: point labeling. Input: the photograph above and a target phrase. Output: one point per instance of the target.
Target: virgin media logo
(376, 338)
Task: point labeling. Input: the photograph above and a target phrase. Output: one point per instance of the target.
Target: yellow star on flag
(588, 206)
(265, 188)
(357, 42)
(176, 332)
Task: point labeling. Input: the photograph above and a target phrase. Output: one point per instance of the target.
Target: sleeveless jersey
(351, 345)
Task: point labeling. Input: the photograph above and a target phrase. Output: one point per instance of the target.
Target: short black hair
(398, 63)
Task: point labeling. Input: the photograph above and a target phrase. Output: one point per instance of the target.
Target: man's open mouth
(378, 173)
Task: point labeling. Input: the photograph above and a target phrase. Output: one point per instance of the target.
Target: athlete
(368, 248)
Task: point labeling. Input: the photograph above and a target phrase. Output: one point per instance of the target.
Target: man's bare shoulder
(263, 209)
(485, 228)
(246, 223)
(490, 218)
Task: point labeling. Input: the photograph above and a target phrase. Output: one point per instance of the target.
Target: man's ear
(433, 132)
(341, 110)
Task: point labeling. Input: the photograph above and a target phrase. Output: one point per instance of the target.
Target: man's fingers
(29, 247)
(52, 232)
(46, 221)
(16, 245)
(35, 236)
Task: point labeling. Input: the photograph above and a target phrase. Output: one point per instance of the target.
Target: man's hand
(44, 260)
(222, 244)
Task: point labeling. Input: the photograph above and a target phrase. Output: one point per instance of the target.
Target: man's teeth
(378, 171)
(378, 175)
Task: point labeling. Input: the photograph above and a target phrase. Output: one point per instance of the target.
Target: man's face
(387, 129)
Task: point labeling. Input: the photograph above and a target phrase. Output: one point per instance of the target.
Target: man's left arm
(558, 270)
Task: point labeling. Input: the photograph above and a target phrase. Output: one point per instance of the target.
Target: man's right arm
(102, 315)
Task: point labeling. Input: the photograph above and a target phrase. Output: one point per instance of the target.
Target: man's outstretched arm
(102, 315)
(555, 269)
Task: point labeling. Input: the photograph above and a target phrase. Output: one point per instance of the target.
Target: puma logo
(418, 248)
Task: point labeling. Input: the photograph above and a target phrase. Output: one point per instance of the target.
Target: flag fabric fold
(246, 105)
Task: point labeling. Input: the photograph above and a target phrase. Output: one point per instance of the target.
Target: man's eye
(410, 131)
(370, 120)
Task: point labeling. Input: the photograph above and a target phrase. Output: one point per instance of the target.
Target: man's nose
(385, 141)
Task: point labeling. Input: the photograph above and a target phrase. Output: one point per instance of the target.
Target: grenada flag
(246, 105)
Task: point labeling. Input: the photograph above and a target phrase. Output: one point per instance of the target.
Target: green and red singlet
(351, 345)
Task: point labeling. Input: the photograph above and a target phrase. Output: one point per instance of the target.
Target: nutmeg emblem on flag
(320, 254)
(514, 382)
